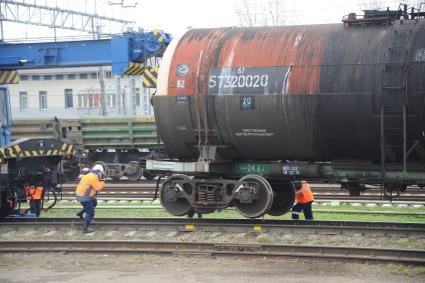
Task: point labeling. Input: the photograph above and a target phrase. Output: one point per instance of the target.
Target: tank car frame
(259, 188)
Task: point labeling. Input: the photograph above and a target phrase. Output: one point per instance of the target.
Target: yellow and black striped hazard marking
(150, 77)
(158, 35)
(135, 69)
(16, 151)
(9, 77)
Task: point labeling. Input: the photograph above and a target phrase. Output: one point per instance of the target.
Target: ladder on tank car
(393, 108)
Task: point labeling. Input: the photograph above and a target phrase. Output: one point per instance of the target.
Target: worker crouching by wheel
(34, 196)
(304, 199)
(90, 184)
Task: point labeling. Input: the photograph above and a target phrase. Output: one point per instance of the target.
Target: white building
(73, 92)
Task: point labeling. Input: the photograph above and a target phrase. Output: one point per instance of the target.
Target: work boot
(80, 214)
(87, 230)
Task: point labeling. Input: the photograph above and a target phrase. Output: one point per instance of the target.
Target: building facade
(74, 92)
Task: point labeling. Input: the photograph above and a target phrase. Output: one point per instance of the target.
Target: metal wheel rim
(182, 201)
(137, 174)
(266, 192)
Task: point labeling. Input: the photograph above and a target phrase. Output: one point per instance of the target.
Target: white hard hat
(98, 167)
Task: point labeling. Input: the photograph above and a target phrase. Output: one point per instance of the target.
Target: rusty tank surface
(308, 93)
(246, 111)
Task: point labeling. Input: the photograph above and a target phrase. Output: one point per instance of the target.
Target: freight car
(119, 143)
(246, 110)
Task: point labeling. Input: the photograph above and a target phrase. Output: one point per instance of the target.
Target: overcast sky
(175, 16)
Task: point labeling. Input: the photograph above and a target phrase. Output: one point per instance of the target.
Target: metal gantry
(56, 17)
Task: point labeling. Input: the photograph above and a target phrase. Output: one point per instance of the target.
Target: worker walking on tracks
(90, 184)
(304, 199)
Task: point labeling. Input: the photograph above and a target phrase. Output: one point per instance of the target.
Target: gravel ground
(146, 268)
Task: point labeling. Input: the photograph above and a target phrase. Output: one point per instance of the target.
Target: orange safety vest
(34, 193)
(304, 195)
(88, 187)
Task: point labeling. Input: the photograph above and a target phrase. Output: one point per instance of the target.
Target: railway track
(214, 226)
(218, 250)
(147, 189)
(227, 225)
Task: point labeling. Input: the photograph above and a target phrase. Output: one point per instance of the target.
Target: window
(80, 100)
(23, 77)
(83, 76)
(71, 76)
(94, 101)
(23, 100)
(89, 99)
(108, 74)
(93, 75)
(35, 77)
(69, 103)
(111, 100)
(42, 100)
(47, 77)
(137, 96)
(59, 77)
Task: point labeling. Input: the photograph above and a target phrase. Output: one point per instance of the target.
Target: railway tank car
(245, 110)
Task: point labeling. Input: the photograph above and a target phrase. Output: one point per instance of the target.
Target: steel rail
(317, 201)
(230, 208)
(406, 256)
(227, 225)
(148, 191)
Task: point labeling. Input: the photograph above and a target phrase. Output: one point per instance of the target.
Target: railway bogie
(252, 195)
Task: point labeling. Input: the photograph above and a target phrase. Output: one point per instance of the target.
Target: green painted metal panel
(105, 132)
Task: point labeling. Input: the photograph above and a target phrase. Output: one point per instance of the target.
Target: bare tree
(372, 5)
(261, 13)
(416, 4)
(382, 5)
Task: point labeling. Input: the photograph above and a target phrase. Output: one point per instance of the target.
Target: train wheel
(283, 198)
(255, 198)
(133, 171)
(171, 199)
(72, 173)
(147, 175)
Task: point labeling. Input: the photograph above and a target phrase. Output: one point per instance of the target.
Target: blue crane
(34, 160)
(120, 51)
(126, 53)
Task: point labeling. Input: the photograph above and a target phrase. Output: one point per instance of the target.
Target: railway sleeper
(252, 195)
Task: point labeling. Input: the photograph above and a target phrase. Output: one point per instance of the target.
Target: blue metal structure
(126, 53)
(35, 160)
(118, 51)
(5, 116)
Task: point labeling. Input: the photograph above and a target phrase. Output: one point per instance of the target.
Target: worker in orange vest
(34, 196)
(90, 184)
(85, 171)
(304, 198)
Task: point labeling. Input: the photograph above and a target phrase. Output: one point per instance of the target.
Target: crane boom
(120, 51)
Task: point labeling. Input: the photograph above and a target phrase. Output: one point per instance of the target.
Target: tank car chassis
(259, 188)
